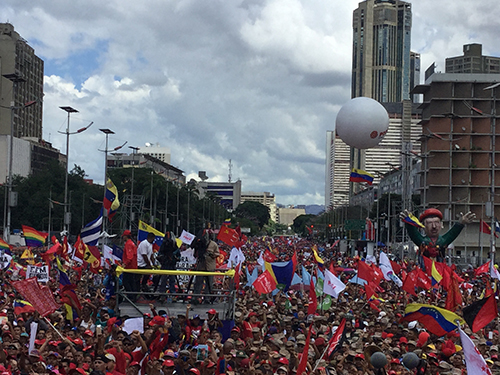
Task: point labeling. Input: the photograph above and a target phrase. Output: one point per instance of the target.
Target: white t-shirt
(144, 248)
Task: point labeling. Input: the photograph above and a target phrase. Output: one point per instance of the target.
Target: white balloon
(362, 122)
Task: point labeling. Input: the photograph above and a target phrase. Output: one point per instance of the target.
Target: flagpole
(55, 329)
(320, 358)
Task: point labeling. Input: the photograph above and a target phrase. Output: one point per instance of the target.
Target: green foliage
(254, 211)
(35, 190)
(300, 223)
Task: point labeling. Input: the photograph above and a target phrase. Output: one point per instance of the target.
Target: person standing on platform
(145, 259)
(130, 280)
(168, 256)
(206, 262)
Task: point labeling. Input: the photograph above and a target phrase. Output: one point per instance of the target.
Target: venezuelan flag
(21, 306)
(412, 220)
(144, 229)
(32, 237)
(358, 175)
(227, 222)
(5, 246)
(317, 258)
(63, 276)
(111, 201)
(282, 272)
(435, 319)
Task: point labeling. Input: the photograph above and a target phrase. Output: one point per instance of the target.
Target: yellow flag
(148, 228)
(28, 255)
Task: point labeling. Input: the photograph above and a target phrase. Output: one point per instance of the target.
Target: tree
(254, 211)
(35, 190)
(300, 222)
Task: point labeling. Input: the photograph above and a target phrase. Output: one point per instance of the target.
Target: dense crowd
(268, 335)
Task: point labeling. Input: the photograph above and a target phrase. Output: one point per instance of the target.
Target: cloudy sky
(255, 81)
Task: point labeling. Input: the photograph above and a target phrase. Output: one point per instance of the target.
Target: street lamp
(107, 132)
(10, 196)
(134, 151)
(67, 214)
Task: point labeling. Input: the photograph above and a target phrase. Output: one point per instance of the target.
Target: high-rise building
(473, 61)
(338, 168)
(383, 69)
(21, 82)
(381, 50)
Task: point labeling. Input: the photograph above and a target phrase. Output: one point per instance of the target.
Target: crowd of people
(270, 333)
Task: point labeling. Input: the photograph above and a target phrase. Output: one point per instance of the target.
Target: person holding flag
(130, 280)
(432, 244)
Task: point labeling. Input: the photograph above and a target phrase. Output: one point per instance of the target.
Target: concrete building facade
(286, 215)
(156, 151)
(473, 61)
(459, 113)
(123, 160)
(228, 193)
(18, 59)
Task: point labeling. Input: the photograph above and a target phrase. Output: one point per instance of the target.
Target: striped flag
(91, 232)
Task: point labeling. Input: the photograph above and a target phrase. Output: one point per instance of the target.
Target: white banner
(33, 332)
(41, 273)
(186, 261)
(4, 259)
(187, 237)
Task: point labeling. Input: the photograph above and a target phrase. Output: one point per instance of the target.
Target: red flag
(454, 297)
(486, 228)
(69, 296)
(396, 267)
(428, 265)
(268, 256)
(374, 305)
(336, 339)
(445, 271)
(482, 269)
(79, 249)
(41, 298)
(228, 236)
(332, 269)
(377, 274)
(265, 283)
(488, 291)
(480, 313)
(303, 359)
(237, 276)
(410, 282)
(364, 271)
(423, 280)
(370, 290)
(313, 300)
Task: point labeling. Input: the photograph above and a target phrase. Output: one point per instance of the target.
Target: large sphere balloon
(411, 360)
(362, 123)
(378, 360)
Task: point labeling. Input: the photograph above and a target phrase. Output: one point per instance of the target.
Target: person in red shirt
(130, 280)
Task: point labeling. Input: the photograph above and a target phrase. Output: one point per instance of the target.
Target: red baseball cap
(212, 312)
(157, 321)
(126, 233)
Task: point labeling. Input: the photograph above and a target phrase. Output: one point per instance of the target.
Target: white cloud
(255, 81)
